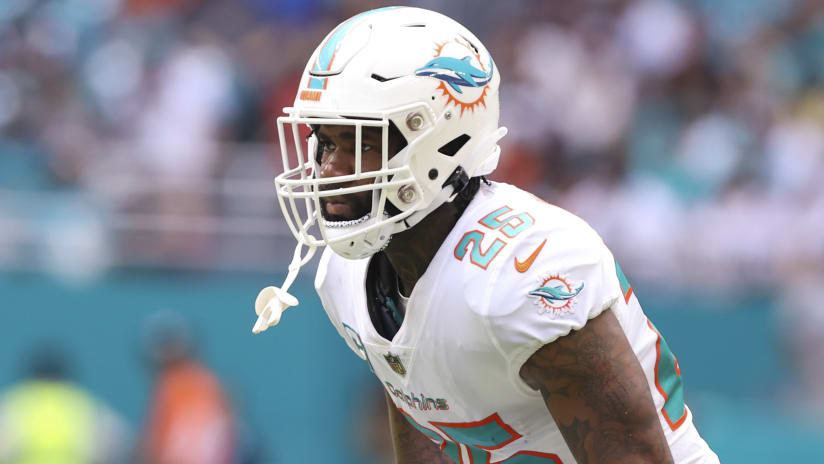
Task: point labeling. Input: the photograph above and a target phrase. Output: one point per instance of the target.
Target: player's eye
(325, 146)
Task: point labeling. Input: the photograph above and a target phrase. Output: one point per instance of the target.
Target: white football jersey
(514, 274)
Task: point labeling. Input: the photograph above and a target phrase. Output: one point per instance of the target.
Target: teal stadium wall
(296, 385)
(302, 391)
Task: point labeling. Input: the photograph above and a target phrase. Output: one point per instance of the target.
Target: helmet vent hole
(415, 25)
(451, 148)
(380, 78)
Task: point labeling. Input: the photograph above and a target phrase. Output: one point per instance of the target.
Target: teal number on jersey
(490, 433)
(526, 222)
(510, 226)
(478, 437)
(356, 340)
(532, 457)
(492, 220)
(668, 382)
(449, 448)
(477, 256)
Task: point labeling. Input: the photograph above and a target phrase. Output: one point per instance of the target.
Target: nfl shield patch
(395, 363)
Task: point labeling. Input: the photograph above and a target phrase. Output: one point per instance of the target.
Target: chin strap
(272, 301)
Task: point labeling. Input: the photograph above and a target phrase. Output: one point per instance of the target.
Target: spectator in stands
(190, 420)
(48, 419)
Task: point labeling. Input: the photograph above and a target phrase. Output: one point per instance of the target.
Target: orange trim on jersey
(677, 367)
(553, 457)
(628, 295)
(673, 425)
(465, 448)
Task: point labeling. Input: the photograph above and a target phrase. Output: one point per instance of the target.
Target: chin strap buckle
(458, 180)
(272, 301)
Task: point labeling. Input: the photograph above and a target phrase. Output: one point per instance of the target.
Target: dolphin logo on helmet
(463, 74)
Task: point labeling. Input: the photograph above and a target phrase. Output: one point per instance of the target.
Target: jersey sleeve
(570, 280)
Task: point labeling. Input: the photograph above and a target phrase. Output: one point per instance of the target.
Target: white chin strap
(361, 245)
(272, 301)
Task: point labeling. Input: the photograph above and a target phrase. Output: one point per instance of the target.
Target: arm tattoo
(412, 446)
(598, 395)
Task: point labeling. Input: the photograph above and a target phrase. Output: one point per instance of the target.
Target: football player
(500, 326)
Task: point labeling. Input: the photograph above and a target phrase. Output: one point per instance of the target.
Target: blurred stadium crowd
(689, 133)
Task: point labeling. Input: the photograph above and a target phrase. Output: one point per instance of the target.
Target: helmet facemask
(423, 72)
(369, 220)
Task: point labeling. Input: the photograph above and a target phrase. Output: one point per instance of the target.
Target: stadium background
(137, 152)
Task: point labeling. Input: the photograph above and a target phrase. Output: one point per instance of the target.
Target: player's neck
(411, 251)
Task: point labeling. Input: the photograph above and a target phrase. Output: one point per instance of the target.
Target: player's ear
(312, 142)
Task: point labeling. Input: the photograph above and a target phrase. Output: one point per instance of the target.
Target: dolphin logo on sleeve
(556, 293)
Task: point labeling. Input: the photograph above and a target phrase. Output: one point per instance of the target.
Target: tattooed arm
(411, 446)
(596, 391)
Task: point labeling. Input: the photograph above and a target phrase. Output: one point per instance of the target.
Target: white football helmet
(412, 68)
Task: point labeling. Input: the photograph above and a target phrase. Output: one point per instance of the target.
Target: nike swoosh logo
(525, 265)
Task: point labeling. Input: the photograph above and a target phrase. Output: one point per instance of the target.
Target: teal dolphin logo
(456, 72)
(556, 293)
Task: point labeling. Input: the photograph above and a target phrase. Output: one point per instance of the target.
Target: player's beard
(359, 205)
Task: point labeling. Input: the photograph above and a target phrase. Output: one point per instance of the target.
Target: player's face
(336, 153)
